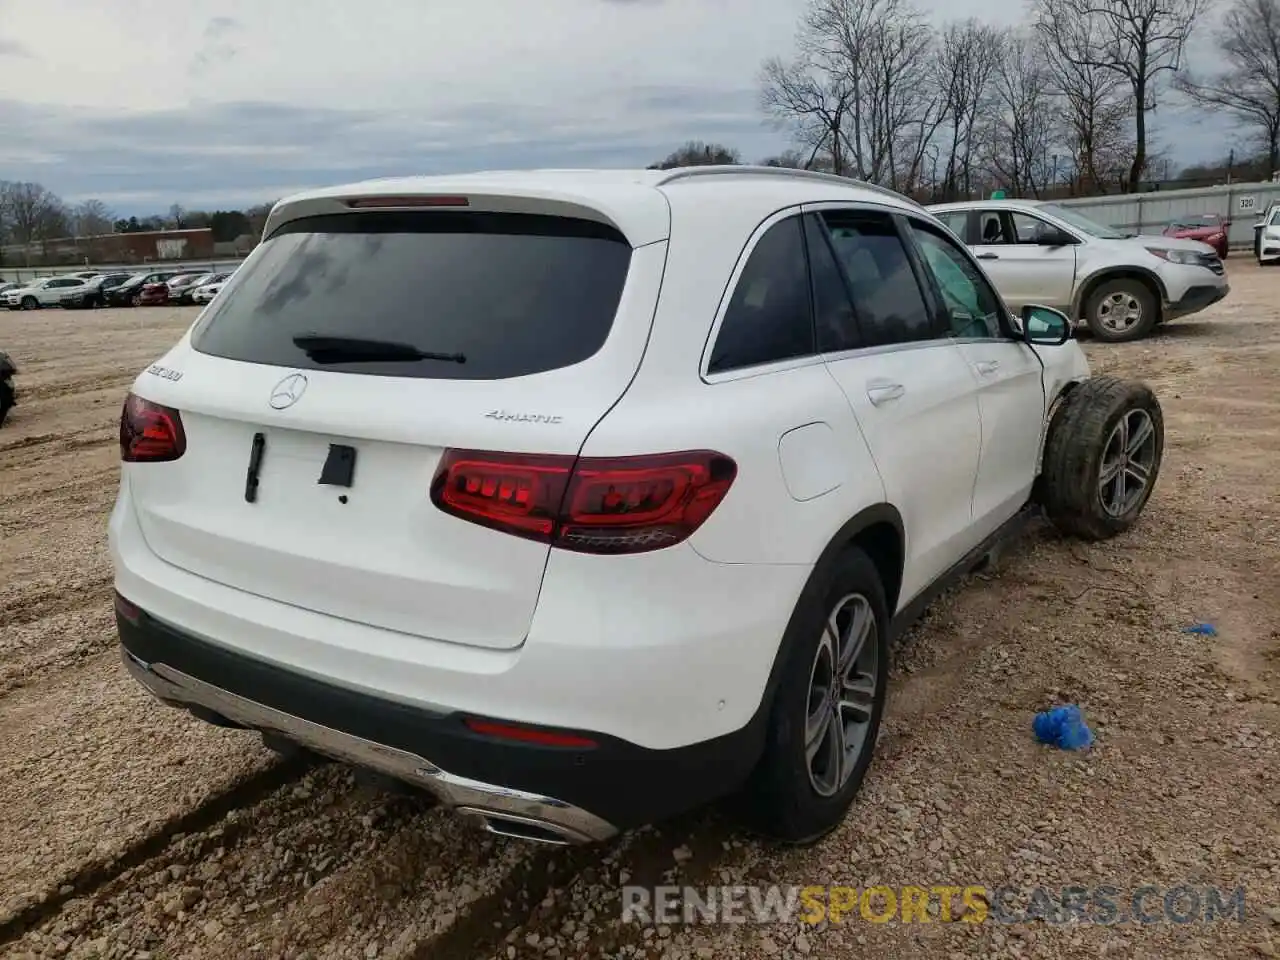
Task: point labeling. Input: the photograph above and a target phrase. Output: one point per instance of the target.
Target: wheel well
(883, 544)
(1144, 278)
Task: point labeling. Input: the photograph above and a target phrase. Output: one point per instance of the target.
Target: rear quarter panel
(670, 407)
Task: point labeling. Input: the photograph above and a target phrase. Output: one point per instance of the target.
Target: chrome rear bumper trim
(176, 688)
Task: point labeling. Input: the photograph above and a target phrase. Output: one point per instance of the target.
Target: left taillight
(150, 432)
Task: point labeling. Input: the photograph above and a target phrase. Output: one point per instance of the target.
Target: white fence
(1148, 213)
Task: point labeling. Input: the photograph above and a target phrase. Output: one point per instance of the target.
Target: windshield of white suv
(513, 294)
(1081, 222)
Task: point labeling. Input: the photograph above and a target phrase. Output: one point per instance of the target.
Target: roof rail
(687, 173)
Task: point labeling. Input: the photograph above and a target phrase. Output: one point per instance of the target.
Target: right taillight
(149, 432)
(590, 505)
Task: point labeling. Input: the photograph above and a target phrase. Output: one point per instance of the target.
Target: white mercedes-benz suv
(582, 498)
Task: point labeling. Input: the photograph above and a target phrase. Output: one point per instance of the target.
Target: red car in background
(162, 291)
(1210, 228)
(153, 295)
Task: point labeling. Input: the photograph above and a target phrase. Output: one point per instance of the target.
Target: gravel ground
(130, 831)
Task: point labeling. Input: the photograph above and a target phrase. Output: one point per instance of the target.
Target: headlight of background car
(1188, 257)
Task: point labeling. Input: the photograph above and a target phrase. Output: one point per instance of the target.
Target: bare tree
(906, 106)
(91, 218)
(1139, 41)
(966, 60)
(1094, 101)
(1023, 128)
(811, 102)
(1248, 43)
(32, 212)
(695, 153)
(790, 159)
(853, 97)
(177, 216)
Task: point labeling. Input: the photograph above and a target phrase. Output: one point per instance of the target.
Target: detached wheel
(1121, 310)
(827, 708)
(1102, 458)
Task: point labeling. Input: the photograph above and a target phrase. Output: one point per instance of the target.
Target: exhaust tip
(523, 828)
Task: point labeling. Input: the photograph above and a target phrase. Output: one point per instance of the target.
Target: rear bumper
(663, 660)
(545, 793)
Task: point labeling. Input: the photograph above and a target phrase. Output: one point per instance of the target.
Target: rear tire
(1121, 310)
(822, 731)
(1102, 458)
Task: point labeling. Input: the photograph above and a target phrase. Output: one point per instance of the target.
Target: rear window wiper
(330, 349)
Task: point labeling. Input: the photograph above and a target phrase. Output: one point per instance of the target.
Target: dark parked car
(95, 291)
(129, 293)
(1210, 228)
(183, 285)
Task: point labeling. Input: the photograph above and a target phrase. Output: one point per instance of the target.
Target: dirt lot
(128, 830)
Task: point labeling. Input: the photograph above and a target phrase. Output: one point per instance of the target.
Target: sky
(226, 103)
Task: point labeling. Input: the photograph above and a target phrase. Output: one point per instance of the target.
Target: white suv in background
(1266, 242)
(45, 292)
(582, 498)
(1121, 285)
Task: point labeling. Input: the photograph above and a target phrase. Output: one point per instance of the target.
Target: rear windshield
(511, 294)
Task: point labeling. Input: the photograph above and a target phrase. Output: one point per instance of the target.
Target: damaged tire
(1102, 458)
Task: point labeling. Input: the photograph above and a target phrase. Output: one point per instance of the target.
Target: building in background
(150, 246)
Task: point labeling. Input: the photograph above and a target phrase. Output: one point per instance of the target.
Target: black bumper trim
(618, 781)
(1198, 298)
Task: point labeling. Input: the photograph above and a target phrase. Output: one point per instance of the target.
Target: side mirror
(1045, 326)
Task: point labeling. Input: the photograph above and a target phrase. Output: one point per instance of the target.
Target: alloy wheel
(842, 692)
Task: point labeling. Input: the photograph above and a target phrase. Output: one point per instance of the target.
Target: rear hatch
(530, 327)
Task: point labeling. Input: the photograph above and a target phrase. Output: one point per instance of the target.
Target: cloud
(245, 152)
(234, 102)
(217, 46)
(12, 48)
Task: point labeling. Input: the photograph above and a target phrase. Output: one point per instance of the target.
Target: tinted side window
(886, 295)
(513, 294)
(834, 321)
(770, 316)
(972, 306)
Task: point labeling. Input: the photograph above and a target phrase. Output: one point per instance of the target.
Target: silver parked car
(1121, 285)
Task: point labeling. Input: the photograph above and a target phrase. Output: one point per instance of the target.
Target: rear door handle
(988, 256)
(879, 393)
(987, 367)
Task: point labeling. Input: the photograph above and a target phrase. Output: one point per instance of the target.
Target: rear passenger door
(906, 380)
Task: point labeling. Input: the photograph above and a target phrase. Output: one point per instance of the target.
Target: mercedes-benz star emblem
(288, 391)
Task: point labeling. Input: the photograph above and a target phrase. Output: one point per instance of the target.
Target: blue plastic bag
(1063, 727)
(1204, 629)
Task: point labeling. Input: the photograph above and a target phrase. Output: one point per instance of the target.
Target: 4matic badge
(522, 417)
